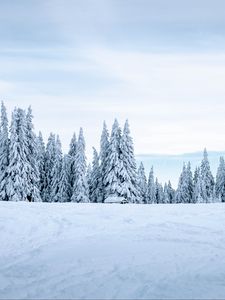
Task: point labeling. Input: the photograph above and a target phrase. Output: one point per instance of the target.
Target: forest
(32, 171)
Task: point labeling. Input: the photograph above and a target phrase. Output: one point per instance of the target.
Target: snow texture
(102, 251)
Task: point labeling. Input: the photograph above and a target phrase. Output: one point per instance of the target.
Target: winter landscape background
(112, 144)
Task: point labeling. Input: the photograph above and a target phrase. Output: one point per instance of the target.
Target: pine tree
(166, 194)
(32, 157)
(190, 184)
(103, 156)
(71, 161)
(112, 180)
(18, 188)
(56, 172)
(207, 179)
(159, 195)
(220, 181)
(197, 194)
(182, 192)
(128, 167)
(4, 153)
(80, 188)
(64, 184)
(49, 164)
(142, 184)
(151, 191)
(41, 164)
(95, 182)
(171, 193)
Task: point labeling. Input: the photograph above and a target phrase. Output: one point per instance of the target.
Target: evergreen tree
(56, 172)
(80, 188)
(166, 198)
(182, 192)
(95, 182)
(142, 184)
(207, 179)
(128, 173)
(64, 184)
(18, 187)
(220, 181)
(4, 153)
(50, 154)
(190, 184)
(171, 193)
(151, 190)
(71, 161)
(159, 195)
(112, 180)
(197, 195)
(32, 157)
(103, 156)
(41, 164)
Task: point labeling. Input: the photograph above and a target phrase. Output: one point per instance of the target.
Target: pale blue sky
(161, 64)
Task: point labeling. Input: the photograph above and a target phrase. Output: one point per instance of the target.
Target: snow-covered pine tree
(18, 188)
(166, 194)
(142, 184)
(112, 180)
(220, 181)
(182, 189)
(80, 188)
(103, 156)
(128, 174)
(56, 172)
(71, 161)
(197, 194)
(41, 163)
(151, 190)
(207, 179)
(33, 175)
(50, 154)
(88, 176)
(4, 153)
(190, 184)
(95, 180)
(159, 196)
(171, 193)
(64, 186)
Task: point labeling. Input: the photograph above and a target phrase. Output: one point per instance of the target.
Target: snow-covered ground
(112, 251)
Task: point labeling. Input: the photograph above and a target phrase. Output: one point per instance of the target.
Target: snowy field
(112, 251)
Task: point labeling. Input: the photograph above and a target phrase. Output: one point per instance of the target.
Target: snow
(100, 251)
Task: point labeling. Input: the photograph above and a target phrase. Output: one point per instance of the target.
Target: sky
(158, 63)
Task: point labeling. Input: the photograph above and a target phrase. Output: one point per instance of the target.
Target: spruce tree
(112, 180)
(103, 156)
(80, 188)
(95, 180)
(207, 180)
(142, 184)
(41, 164)
(18, 187)
(128, 174)
(159, 195)
(151, 191)
(56, 172)
(33, 175)
(63, 185)
(50, 154)
(71, 161)
(220, 181)
(4, 153)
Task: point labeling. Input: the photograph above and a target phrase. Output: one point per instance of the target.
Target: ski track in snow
(111, 251)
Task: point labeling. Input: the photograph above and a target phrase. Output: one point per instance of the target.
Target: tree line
(33, 171)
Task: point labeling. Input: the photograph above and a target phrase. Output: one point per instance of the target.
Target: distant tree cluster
(33, 171)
